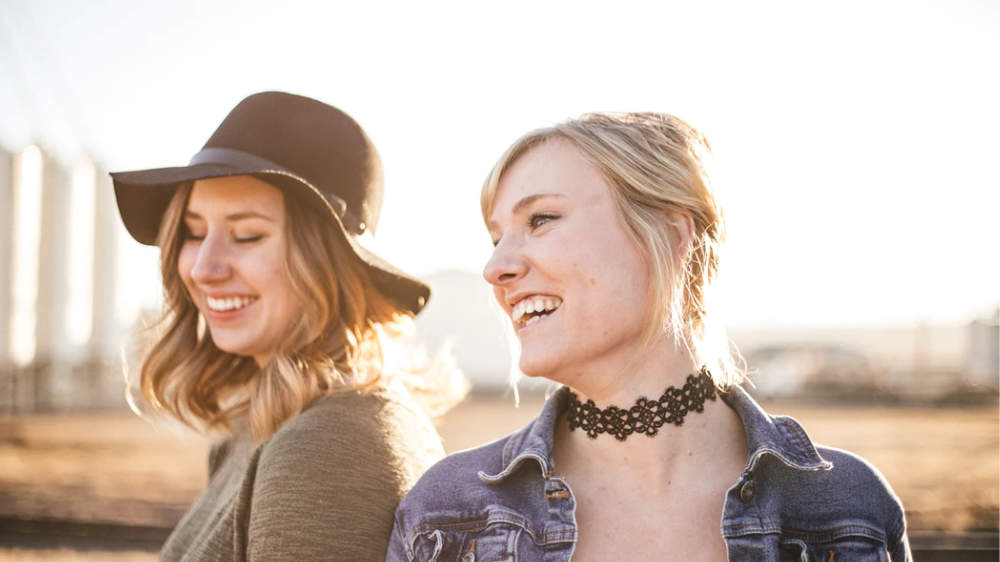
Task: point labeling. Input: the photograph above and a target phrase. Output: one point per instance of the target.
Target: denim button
(747, 491)
(469, 557)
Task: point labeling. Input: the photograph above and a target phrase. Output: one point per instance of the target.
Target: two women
(273, 334)
(607, 236)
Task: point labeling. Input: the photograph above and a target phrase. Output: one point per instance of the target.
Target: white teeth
(231, 303)
(532, 305)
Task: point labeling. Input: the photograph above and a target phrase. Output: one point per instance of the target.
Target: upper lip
(515, 298)
(543, 302)
(219, 295)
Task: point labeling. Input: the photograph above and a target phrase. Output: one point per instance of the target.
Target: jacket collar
(779, 436)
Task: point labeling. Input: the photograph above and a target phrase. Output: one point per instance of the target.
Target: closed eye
(250, 239)
(187, 235)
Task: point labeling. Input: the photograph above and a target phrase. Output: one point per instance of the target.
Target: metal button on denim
(468, 557)
(747, 490)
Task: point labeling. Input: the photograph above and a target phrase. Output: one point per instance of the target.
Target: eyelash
(247, 240)
(533, 221)
(534, 224)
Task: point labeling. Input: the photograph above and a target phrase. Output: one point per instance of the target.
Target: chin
(537, 366)
(232, 346)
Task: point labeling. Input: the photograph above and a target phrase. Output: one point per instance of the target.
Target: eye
(186, 234)
(250, 239)
(539, 219)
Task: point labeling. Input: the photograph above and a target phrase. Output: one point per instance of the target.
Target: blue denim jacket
(501, 501)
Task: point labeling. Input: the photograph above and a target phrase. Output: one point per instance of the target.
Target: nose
(506, 265)
(211, 263)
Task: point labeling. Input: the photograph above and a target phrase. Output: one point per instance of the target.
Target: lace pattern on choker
(646, 416)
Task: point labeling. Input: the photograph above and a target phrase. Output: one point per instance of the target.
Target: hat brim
(143, 197)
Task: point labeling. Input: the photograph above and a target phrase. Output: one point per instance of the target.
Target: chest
(640, 524)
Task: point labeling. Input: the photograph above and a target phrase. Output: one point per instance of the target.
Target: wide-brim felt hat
(305, 147)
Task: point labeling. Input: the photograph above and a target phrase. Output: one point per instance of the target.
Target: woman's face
(564, 270)
(232, 263)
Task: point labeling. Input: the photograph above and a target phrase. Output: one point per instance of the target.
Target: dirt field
(116, 468)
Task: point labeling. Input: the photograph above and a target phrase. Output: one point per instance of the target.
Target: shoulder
(865, 485)
(453, 502)
(809, 484)
(330, 478)
(510, 471)
(377, 432)
(454, 482)
(841, 472)
(850, 492)
(461, 469)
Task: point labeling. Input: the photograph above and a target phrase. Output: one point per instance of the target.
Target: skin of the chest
(677, 523)
(628, 509)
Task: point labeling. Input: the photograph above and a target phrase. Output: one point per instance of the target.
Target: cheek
(270, 277)
(611, 277)
(185, 262)
(498, 297)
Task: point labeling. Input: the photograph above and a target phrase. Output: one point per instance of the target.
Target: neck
(648, 415)
(622, 380)
(675, 451)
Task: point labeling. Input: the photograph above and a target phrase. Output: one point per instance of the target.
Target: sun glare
(81, 254)
(27, 219)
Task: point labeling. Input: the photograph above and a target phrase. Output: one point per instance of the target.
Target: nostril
(506, 276)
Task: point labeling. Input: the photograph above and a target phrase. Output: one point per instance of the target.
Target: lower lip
(226, 314)
(540, 320)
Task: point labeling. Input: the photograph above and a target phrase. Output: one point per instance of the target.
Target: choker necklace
(647, 416)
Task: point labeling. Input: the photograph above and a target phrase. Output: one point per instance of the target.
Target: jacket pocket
(848, 544)
(491, 538)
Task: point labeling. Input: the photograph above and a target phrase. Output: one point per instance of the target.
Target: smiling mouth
(532, 309)
(228, 304)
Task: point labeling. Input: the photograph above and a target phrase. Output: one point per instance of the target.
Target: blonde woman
(273, 332)
(607, 236)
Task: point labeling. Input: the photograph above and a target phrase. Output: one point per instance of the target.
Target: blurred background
(855, 154)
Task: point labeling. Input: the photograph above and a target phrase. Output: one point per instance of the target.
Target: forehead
(554, 167)
(235, 193)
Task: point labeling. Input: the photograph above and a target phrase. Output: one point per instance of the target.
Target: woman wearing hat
(607, 237)
(273, 333)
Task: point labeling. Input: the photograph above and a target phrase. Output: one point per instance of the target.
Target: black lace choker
(647, 416)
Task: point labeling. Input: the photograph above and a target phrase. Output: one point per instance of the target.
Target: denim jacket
(501, 501)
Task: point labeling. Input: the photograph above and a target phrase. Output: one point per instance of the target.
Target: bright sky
(856, 142)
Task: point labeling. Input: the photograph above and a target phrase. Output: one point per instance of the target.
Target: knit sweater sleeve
(326, 486)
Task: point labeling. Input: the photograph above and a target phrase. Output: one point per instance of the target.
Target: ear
(681, 231)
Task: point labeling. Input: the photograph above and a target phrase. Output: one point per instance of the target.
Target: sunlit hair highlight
(336, 344)
(655, 166)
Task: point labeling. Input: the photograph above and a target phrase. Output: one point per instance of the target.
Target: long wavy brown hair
(336, 345)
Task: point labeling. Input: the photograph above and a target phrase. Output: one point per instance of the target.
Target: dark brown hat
(298, 144)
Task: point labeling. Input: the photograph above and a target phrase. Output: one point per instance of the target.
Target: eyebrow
(525, 202)
(233, 217)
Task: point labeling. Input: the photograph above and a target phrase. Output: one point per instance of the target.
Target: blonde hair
(655, 166)
(336, 345)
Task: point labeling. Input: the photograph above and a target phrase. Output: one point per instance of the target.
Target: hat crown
(316, 141)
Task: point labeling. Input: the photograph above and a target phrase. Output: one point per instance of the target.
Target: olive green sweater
(323, 487)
